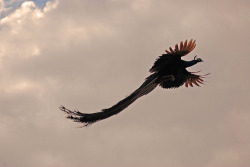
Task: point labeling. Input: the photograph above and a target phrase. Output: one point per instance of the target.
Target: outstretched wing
(88, 119)
(183, 49)
(173, 55)
(184, 77)
(194, 79)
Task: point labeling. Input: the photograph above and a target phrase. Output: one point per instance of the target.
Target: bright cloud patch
(19, 28)
(9, 6)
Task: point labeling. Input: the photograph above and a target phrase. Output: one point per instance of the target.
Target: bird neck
(189, 63)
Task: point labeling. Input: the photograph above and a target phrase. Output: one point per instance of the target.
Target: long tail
(89, 118)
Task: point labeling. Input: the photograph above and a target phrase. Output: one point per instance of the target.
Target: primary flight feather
(168, 71)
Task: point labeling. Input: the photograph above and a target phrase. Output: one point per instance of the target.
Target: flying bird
(168, 71)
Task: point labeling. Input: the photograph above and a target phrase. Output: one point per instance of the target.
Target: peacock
(168, 71)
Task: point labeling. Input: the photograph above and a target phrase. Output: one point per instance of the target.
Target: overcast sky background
(89, 54)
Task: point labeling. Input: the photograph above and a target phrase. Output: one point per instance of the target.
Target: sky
(89, 54)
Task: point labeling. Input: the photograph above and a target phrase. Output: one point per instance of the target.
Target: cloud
(7, 7)
(90, 54)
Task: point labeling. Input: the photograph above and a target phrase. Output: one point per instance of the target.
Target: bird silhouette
(168, 71)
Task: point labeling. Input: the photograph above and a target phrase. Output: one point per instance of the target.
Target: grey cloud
(88, 55)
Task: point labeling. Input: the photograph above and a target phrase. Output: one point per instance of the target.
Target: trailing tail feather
(89, 118)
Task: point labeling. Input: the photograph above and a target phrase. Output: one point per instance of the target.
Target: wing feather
(176, 48)
(181, 45)
(199, 81)
(178, 51)
(196, 83)
(171, 50)
(190, 82)
(172, 54)
(194, 79)
(185, 45)
(167, 52)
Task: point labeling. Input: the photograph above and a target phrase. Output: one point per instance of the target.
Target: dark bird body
(168, 71)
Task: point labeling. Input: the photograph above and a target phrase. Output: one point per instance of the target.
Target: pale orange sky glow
(89, 54)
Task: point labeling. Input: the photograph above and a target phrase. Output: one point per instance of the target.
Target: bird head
(197, 59)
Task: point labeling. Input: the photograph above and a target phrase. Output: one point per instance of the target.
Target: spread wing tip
(196, 79)
(183, 48)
